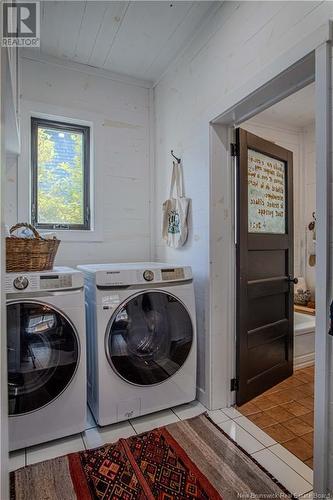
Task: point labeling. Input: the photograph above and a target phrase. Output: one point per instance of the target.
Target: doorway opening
(285, 411)
(314, 67)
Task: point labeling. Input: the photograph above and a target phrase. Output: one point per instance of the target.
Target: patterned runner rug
(191, 459)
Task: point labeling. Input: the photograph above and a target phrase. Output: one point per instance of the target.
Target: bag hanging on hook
(175, 211)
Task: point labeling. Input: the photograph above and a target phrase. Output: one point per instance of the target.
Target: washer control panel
(21, 282)
(16, 282)
(55, 281)
(43, 281)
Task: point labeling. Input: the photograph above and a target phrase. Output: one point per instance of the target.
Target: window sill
(76, 236)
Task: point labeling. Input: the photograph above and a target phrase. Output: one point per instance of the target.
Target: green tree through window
(60, 183)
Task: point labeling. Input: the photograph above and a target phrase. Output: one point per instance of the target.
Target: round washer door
(149, 338)
(43, 354)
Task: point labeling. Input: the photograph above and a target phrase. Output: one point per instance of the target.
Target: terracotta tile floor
(285, 412)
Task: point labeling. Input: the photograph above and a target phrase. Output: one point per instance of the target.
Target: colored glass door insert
(266, 194)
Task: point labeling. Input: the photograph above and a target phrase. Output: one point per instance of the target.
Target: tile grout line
(84, 443)
(258, 428)
(132, 427)
(175, 413)
(89, 428)
(295, 472)
(301, 380)
(268, 447)
(263, 447)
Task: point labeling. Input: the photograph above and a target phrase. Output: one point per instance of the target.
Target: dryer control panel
(139, 273)
(178, 273)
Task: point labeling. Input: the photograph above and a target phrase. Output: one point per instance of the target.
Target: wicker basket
(302, 297)
(29, 254)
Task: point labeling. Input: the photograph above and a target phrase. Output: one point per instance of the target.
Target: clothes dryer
(141, 330)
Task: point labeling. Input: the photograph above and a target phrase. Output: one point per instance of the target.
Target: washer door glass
(149, 338)
(43, 354)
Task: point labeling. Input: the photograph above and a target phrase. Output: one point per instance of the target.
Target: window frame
(69, 127)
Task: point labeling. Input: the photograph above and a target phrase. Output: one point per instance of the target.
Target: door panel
(260, 264)
(264, 265)
(267, 333)
(43, 354)
(267, 356)
(266, 310)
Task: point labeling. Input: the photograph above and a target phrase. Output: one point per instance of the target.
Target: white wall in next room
(118, 112)
(309, 168)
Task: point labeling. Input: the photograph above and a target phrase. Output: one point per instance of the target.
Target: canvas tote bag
(175, 211)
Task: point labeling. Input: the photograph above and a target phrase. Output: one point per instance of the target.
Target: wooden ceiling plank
(72, 14)
(49, 28)
(180, 38)
(90, 28)
(112, 20)
(142, 33)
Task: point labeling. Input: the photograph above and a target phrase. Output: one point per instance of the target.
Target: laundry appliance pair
(141, 346)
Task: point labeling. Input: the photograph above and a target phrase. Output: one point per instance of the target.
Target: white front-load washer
(46, 356)
(141, 338)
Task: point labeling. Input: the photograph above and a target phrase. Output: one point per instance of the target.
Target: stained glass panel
(266, 194)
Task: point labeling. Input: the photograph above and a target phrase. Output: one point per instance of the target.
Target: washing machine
(46, 356)
(141, 338)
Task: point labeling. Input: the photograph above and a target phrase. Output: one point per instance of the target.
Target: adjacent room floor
(295, 475)
(285, 413)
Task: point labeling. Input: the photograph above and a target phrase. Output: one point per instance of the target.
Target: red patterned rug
(192, 459)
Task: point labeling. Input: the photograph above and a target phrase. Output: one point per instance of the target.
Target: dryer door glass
(43, 354)
(149, 338)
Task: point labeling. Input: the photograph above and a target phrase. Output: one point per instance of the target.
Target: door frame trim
(4, 476)
(315, 66)
(323, 201)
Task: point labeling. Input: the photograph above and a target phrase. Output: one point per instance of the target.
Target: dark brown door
(264, 265)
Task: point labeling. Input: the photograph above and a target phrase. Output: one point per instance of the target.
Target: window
(60, 197)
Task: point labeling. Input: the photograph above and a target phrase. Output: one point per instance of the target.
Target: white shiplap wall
(119, 115)
(242, 47)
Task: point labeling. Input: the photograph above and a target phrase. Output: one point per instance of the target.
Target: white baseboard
(304, 361)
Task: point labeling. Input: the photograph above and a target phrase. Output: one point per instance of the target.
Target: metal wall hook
(175, 157)
(312, 224)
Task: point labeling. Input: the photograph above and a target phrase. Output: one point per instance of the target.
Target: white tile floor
(288, 469)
